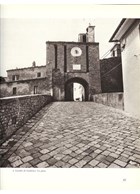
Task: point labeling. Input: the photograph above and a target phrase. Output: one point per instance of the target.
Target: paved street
(75, 135)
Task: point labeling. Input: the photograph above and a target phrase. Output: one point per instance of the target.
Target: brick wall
(115, 100)
(15, 111)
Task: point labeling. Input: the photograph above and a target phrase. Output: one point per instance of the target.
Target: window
(113, 53)
(15, 77)
(38, 74)
(35, 89)
(14, 91)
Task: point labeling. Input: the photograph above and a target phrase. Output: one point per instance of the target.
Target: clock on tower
(76, 52)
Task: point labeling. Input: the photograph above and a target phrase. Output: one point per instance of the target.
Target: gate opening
(78, 92)
(76, 89)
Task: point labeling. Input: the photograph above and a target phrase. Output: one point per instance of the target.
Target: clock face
(76, 52)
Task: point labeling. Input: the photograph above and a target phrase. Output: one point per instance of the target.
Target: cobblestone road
(75, 135)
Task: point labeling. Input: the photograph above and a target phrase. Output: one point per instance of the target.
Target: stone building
(67, 63)
(24, 81)
(128, 34)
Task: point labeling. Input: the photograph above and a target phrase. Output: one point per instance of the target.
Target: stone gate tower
(70, 62)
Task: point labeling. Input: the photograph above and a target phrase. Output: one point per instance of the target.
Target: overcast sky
(23, 40)
(25, 29)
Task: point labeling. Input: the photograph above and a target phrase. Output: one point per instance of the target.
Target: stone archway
(69, 88)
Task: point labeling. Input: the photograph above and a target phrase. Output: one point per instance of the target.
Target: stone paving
(75, 135)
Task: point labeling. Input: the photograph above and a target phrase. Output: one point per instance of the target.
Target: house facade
(24, 81)
(128, 34)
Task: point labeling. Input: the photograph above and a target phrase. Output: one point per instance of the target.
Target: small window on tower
(38, 74)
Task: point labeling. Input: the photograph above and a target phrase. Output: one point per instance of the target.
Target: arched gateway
(69, 89)
(74, 62)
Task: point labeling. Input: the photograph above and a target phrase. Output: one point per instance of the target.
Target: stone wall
(111, 75)
(15, 111)
(110, 99)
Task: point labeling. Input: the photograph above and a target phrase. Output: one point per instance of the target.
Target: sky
(23, 40)
(26, 28)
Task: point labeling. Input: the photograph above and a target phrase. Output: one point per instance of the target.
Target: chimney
(90, 35)
(33, 64)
